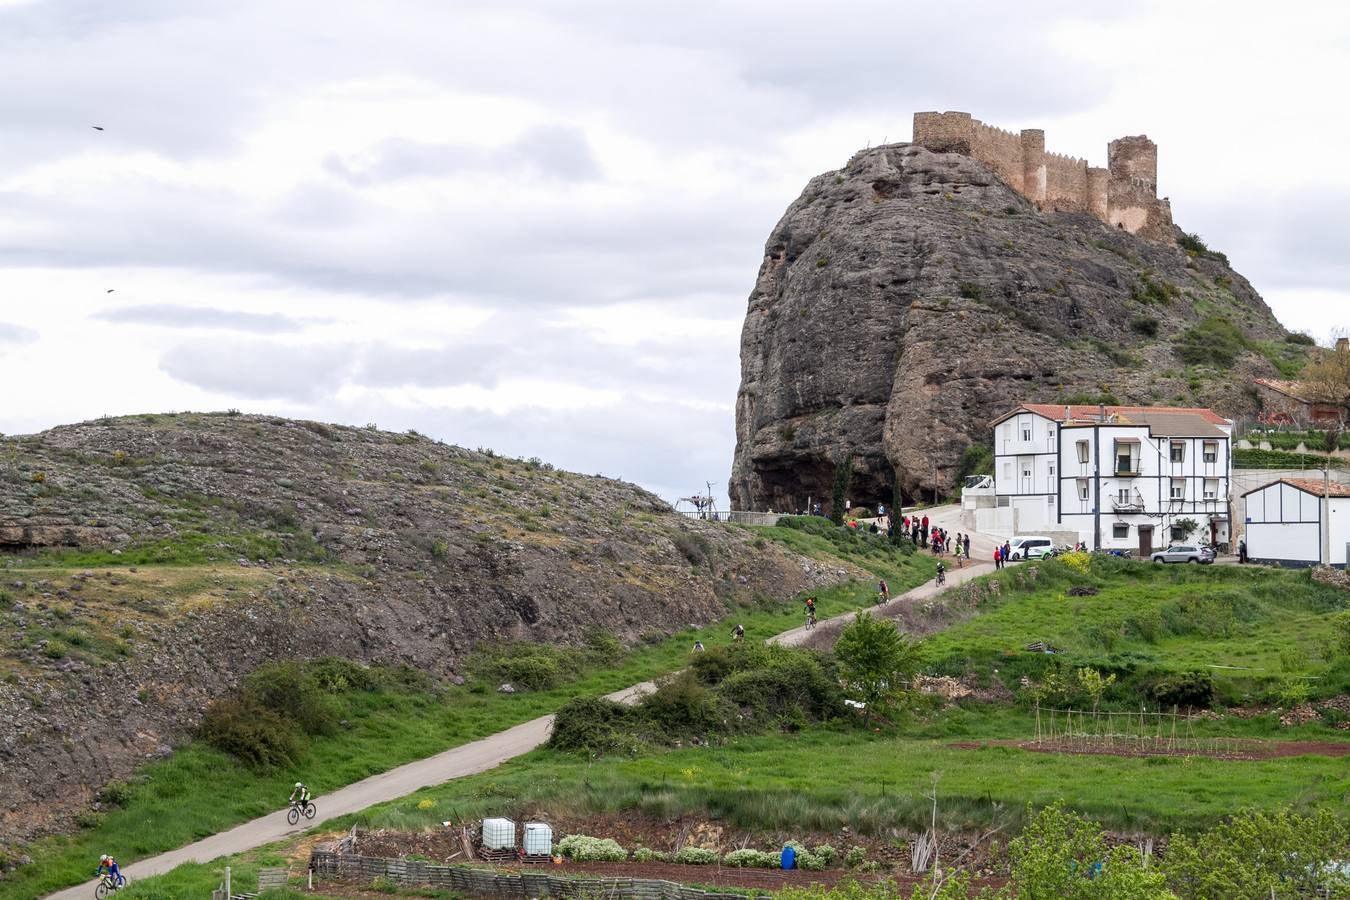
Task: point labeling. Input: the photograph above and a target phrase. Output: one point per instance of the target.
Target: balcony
(1130, 503)
(1131, 472)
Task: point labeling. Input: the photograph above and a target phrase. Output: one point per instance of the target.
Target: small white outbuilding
(1286, 520)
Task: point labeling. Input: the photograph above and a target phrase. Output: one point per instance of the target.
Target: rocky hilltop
(908, 298)
(205, 545)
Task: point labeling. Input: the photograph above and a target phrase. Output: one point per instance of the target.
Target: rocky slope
(285, 538)
(911, 297)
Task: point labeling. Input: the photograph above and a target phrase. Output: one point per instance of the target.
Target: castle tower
(1134, 157)
(1132, 189)
(1033, 165)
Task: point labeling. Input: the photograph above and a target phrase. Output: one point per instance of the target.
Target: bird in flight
(109, 290)
(96, 127)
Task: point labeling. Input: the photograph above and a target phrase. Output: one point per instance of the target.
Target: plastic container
(499, 834)
(789, 858)
(538, 839)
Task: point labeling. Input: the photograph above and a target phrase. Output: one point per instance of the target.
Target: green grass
(1267, 626)
(818, 538)
(200, 791)
(1276, 459)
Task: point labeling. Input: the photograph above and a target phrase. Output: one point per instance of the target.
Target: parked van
(1030, 546)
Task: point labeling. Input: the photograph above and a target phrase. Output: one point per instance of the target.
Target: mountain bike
(296, 811)
(106, 886)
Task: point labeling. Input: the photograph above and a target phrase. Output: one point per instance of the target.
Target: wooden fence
(488, 883)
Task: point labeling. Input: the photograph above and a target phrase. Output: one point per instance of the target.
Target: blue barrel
(789, 858)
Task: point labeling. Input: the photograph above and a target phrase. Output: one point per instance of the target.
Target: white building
(1120, 477)
(1286, 520)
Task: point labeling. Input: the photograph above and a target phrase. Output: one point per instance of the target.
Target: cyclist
(883, 592)
(300, 795)
(810, 612)
(941, 574)
(109, 865)
(738, 634)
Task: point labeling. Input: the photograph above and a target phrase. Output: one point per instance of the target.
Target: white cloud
(535, 226)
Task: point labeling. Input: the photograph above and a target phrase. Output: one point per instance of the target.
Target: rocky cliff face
(281, 538)
(910, 297)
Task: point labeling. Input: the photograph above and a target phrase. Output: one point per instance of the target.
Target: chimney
(1342, 345)
(1101, 413)
(1068, 412)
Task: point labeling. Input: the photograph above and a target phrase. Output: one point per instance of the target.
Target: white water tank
(538, 839)
(499, 834)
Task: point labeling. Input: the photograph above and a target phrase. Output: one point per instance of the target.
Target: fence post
(228, 892)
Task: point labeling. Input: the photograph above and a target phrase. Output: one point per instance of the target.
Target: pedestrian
(967, 546)
(1242, 551)
(1007, 551)
(998, 557)
(698, 646)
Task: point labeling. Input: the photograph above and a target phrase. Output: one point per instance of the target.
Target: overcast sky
(533, 226)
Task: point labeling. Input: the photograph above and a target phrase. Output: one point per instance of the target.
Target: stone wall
(1124, 195)
(488, 883)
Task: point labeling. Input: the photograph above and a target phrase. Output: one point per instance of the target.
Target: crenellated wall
(1124, 194)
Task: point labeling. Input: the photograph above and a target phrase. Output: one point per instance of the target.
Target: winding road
(466, 759)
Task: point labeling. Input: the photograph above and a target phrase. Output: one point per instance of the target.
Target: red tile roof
(1055, 411)
(1293, 389)
(1310, 486)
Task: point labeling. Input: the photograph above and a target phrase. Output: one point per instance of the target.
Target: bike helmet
(299, 784)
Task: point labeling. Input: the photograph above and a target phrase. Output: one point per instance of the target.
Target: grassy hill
(1144, 624)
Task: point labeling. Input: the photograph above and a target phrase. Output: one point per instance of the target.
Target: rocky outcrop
(215, 543)
(907, 299)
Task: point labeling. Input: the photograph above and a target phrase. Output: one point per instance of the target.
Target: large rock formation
(908, 298)
(213, 543)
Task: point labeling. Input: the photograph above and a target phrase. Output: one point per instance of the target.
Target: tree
(843, 479)
(1062, 856)
(1327, 378)
(875, 660)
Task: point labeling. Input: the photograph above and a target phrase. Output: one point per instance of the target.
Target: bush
(1145, 325)
(712, 665)
(778, 681)
(752, 859)
(970, 290)
(643, 854)
(603, 648)
(335, 675)
(582, 848)
(1077, 560)
(695, 856)
(592, 725)
(680, 705)
(826, 852)
(535, 672)
(1194, 689)
(1215, 341)
(855, 857)
(1060, 854)
(1260, 854)
(293, 692)
(1300, 338)
(252, 733)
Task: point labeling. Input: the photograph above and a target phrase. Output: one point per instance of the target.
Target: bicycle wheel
(101, 891)
(293, 815)
(310, 810)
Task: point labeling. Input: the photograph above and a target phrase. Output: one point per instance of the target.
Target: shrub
(1145, 325)
(1186, 689)
(970, 290)
(695, 856)
(55, 649)
(1078, 561)
(712, 665)
(1060, 854)
(1215, 341)
(752, 859)
(681, 705)
(1301, 338)
(1260, 854)
(593, 725)
(252, 733)
(582, 848)
(603, 648)
(293, 692)
(115, 793)
(694, 547)
(855, 857)
(536, 672)
(826, 852)
(643, 854)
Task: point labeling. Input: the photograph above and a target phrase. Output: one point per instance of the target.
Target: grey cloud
(16, 334)
(551, 151)
(262, 370)
(168, 315)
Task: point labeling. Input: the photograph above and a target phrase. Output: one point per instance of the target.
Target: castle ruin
(1123, 195)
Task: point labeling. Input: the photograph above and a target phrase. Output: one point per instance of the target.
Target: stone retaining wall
(488, 883)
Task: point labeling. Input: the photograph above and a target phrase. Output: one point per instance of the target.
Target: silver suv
(1183, 553)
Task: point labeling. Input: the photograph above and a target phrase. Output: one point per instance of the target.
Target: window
(1123, 496)
(1178, 489)
(1026, 470)
(1178, 451)
(1007, 470)
(1082, 489)
(1052, 470)
(1211, 488)
(1082, 451)
(1026, 432)
(1120, 530)
(1211, 451)
(1178, 533)
(1005, 500)
(1050, 500)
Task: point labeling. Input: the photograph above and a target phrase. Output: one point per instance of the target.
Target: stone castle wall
(1124, 194)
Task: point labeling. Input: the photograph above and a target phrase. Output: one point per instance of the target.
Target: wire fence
(1139, 733)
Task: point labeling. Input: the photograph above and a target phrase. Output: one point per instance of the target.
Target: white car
(1029, 546)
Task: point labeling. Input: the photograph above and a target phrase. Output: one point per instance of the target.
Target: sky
(534, 226)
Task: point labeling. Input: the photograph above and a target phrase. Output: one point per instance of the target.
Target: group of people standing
(935, 538)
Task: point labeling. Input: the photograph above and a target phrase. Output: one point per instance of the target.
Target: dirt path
(468, 759)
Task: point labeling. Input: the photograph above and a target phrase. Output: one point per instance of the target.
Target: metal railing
(738, 516)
